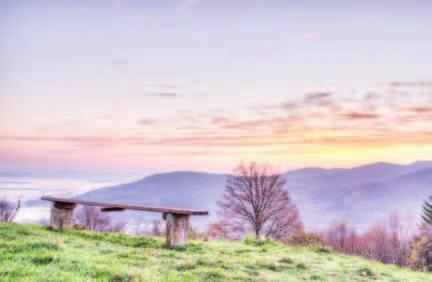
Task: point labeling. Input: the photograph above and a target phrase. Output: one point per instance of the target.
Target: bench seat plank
(126, 206)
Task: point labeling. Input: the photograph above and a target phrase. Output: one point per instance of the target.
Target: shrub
(306, 239)
(301, 266)
(250, 241)
(196, 235)
(185, 266)
(323, 250)
(421, 246)
(270, 265)
(143, 242)
(41, 260)
(214, 275)
(366, 271)
(286, 260)
(8, 210)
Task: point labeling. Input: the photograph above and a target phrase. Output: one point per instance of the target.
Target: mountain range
(361, 195)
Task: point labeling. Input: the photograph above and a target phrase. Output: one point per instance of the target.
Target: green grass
(33, 253)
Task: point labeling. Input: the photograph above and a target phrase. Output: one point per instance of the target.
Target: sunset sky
(200, 85)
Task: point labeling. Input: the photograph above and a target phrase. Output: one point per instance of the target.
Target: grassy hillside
(33, 253)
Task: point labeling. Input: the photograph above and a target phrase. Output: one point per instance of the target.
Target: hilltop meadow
(35, 253)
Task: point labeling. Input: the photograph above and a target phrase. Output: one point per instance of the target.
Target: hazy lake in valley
(31, 189)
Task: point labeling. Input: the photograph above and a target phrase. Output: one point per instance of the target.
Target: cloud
(167, 86)
(252, 51)
(318, 118)
(288, 105)
(419, 109)
(317, 96)
(171, 89)
(360, 116)
(305, 136)
(309, 36)
(137, 17)
(191, 2)
(371, 112)
(120, 63)
(146, 121)
(77, 140)
(73, 123)
(220, 120)
(162, 94)
(418, 83)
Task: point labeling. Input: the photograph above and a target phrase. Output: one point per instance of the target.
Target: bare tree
(156, 228)
(255, 196)
(223, 229)
(379, 239)
(117, 226)
(92, 218)
(337, 235)
(398, 239)
(153, 228)
(8, 211)
(387, 241)
(284, 224)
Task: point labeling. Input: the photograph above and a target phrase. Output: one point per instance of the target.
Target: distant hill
(176, 189)
(361, 194)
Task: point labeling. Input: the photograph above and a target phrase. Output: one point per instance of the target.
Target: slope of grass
(33, 253)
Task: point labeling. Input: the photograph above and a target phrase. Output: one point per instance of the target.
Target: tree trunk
(429, 261)
(257, 233)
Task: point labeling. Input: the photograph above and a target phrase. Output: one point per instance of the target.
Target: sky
(152, 86)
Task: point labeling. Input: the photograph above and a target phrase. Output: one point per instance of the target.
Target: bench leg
(177, 229)
(62, 215)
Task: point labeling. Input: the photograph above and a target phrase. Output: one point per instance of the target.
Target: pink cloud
(192, 2)
(309, 36)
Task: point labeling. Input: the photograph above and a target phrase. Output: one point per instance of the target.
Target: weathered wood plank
(64, 206)
(111, 209)
(126, 206)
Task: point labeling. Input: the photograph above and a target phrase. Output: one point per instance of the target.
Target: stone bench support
(62, 215)
(177, 229)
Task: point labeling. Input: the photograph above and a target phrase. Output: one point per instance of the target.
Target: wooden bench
(177, 220)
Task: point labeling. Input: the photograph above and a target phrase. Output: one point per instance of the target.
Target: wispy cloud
(120, 63)
(315, 120)
(147, 121)
(317, 96)
(191, 2)
(418, 83)
(309, 36)
(320, 113)
(360, 116)
(252, 51)
(137, 17)
(162, 94)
